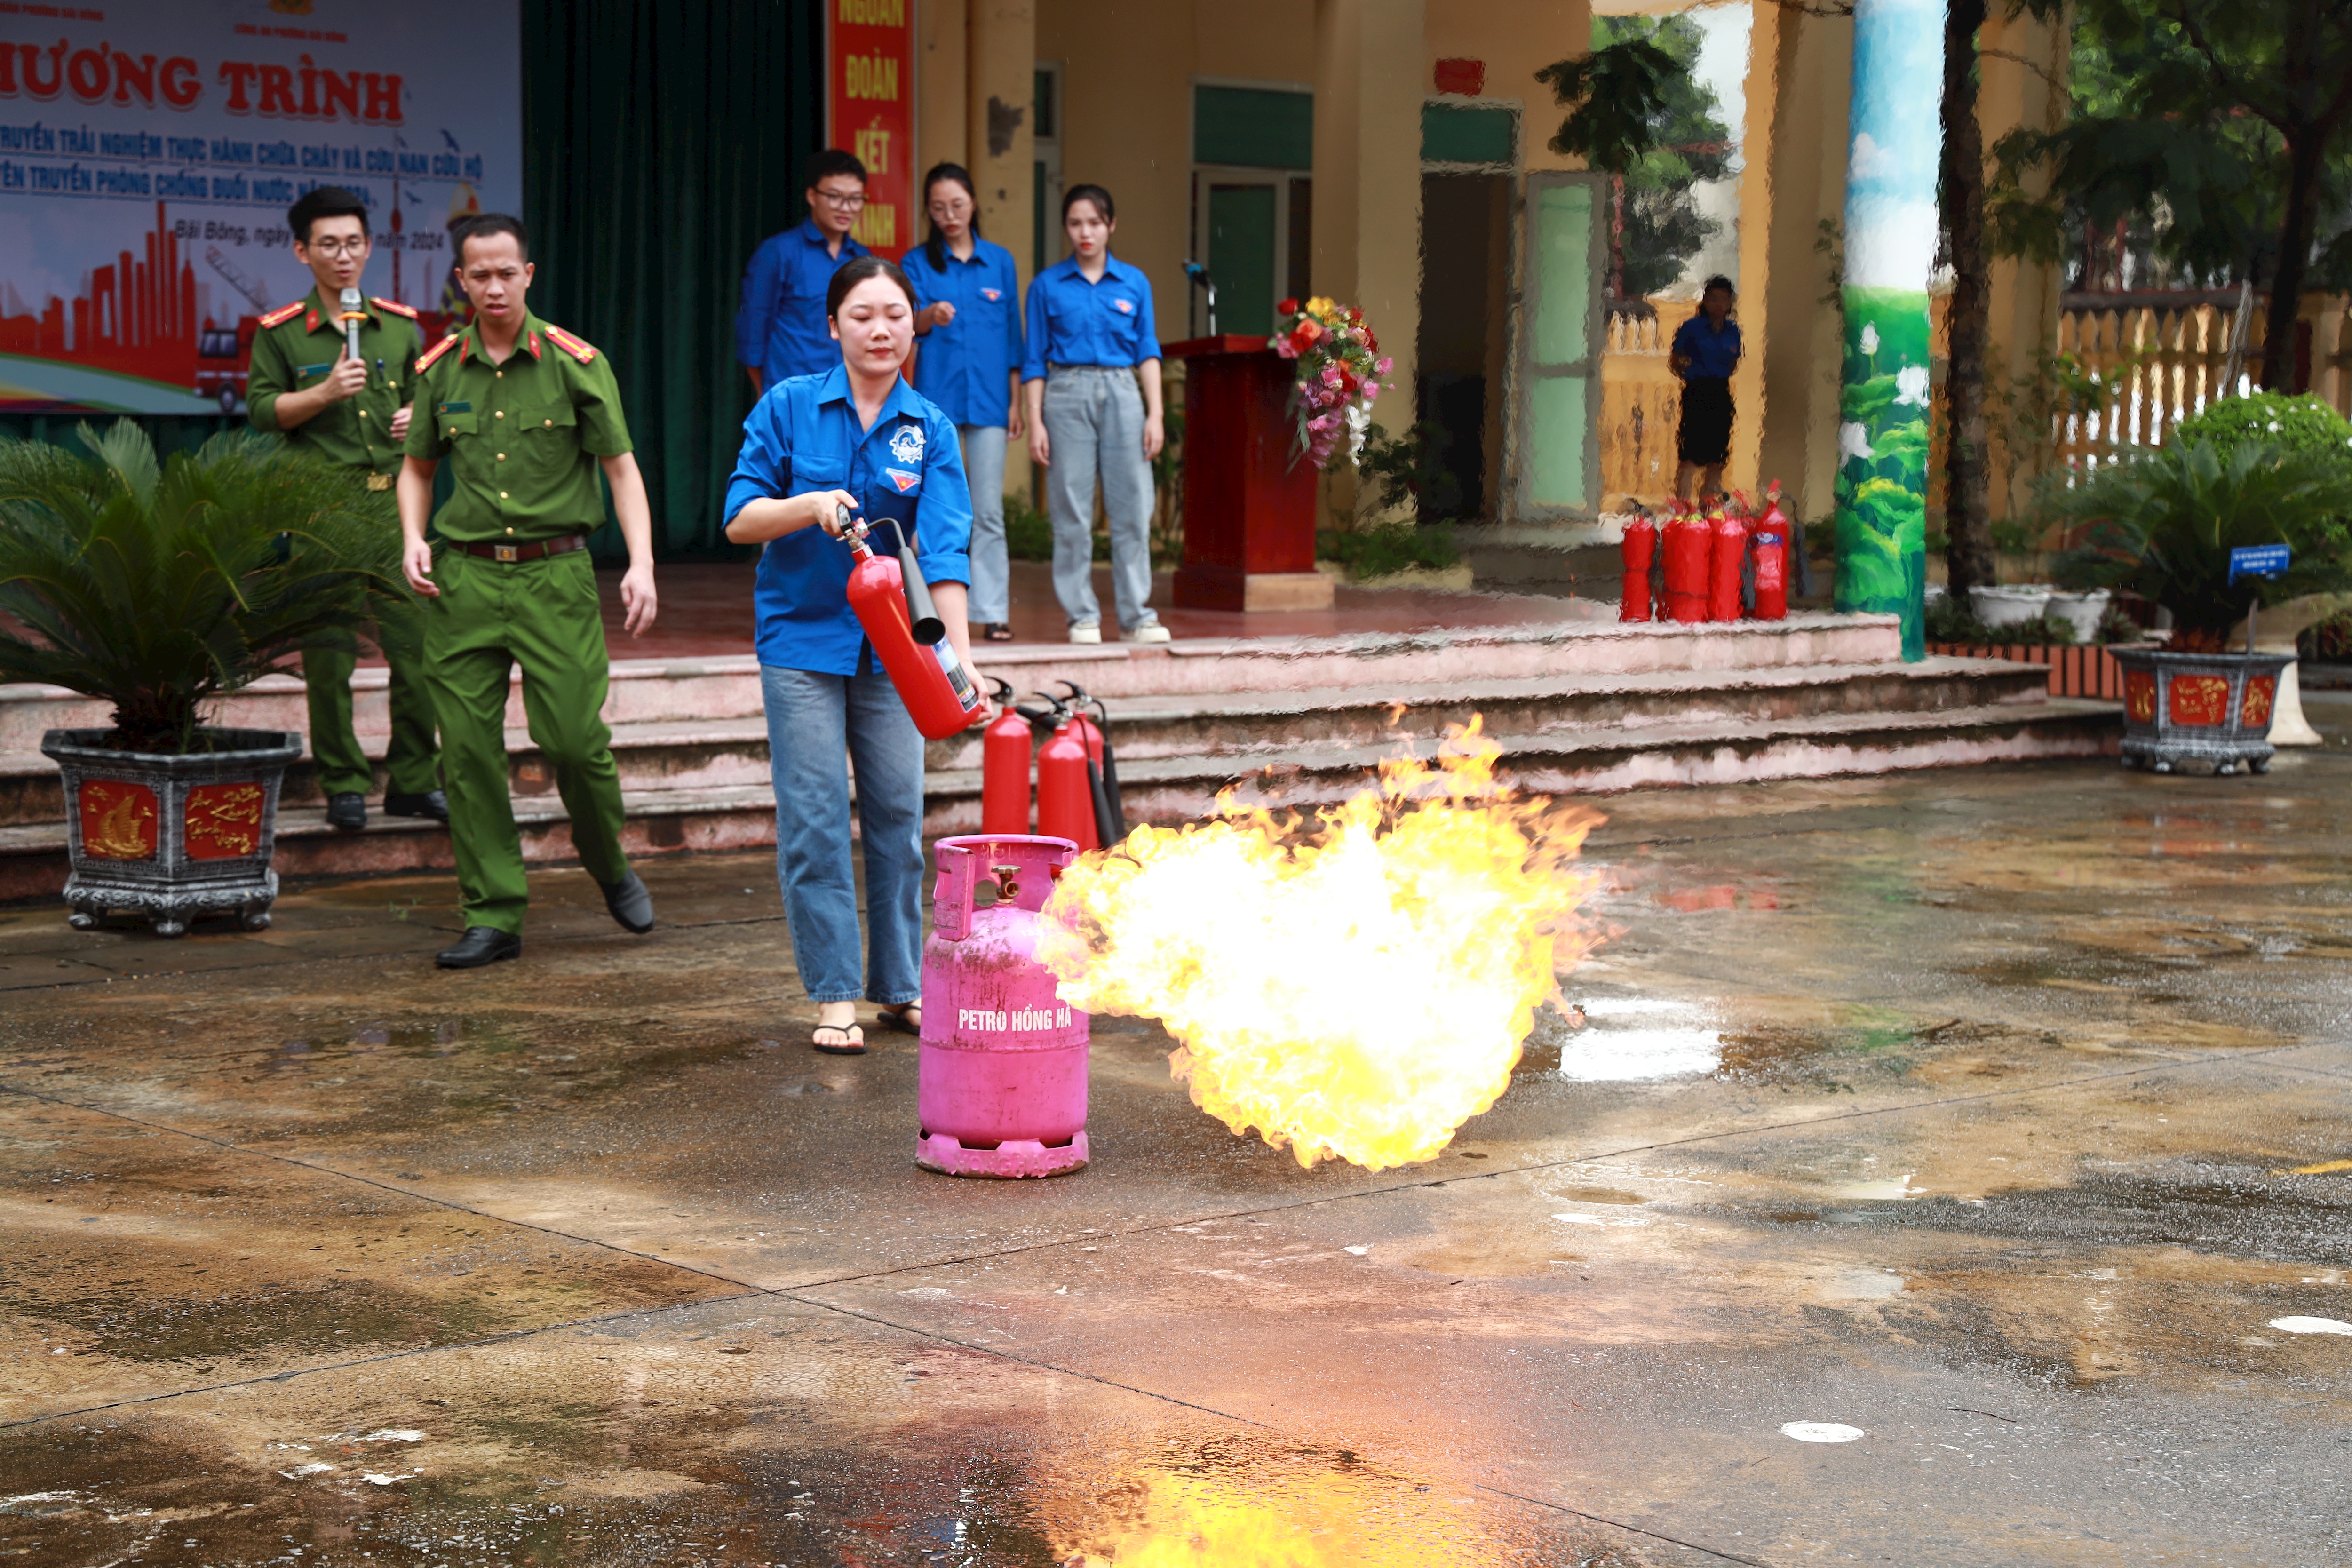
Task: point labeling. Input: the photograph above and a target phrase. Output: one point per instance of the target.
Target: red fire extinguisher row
(1708, 564)
(938, 691)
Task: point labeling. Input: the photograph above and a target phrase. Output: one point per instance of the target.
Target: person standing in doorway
(968, 365)
(781, 329)
(527, 415)
(1706, 352)
(306, 386)
(1091, 341)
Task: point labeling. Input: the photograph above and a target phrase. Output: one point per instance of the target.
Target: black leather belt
(563, 546)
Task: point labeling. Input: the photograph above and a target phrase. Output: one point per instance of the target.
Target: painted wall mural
(1890, 245)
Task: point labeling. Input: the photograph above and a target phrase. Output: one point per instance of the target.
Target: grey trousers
(983, 465)
(1094, 422)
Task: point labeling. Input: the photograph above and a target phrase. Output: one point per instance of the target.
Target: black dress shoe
(347, 811)
(630, 903)
(432, 804)
(479, 946)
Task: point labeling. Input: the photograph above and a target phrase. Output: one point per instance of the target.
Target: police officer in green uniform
(527, 414)
(306, 386)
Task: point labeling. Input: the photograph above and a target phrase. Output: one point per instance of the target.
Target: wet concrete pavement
(1995, 1114)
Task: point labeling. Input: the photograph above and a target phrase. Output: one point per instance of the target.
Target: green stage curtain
(662, 142)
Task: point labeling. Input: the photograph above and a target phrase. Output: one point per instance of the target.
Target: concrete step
(1586, 640)
(1560, 760)
(727, 752)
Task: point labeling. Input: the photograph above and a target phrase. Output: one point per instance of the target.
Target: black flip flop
(854, 1049)
(896, 1018)
(996, 631)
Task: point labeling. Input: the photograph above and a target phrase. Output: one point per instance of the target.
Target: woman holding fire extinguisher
(857, 435)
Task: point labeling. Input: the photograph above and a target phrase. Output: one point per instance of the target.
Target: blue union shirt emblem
(907, 443)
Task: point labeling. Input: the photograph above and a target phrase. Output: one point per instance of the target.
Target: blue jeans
(983, 468)
(813, 720)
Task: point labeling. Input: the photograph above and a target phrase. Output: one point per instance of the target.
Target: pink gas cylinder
(1002, 1073)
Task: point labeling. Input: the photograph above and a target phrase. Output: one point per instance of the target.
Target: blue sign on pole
(2258, 561)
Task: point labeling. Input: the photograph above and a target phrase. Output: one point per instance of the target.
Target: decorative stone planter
(2198, 713)
(172, 836)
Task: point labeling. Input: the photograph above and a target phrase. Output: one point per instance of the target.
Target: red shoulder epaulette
(394, 306)
(284, 313)
(425, 360)
(575, 347)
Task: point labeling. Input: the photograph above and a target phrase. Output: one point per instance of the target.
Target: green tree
(1637, 113)
(2226, 122)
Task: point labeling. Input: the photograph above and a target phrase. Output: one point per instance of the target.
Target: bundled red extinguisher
(1111, 810)
(1639, 548)
(1004, 750)
(892, 603)
(1727, 563)
(1065, 790)
(1772, 558)
(1688, 544)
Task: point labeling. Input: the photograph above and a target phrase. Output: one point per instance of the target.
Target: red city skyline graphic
(138, 317)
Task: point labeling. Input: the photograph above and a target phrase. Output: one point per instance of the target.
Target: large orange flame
(1354, 984)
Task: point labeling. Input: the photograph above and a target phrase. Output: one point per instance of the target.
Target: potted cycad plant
(159, 587)
(2162, 524)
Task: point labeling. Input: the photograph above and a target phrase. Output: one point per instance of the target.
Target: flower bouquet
(1340, 370)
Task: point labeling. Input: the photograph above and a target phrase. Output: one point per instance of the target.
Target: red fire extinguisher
(1640, 547)
(1066, 793)
(1772, 558)
(1111, 810)
(1688, 545)
(1004, 750)
(1727, 559)
(938, 691)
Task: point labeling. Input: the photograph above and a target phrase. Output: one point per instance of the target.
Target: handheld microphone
(354, 312)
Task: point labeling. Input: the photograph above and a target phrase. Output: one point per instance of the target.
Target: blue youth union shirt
(1073, 321)
(802, 436)
(962, 366)
(780, 331)
(1713, 355)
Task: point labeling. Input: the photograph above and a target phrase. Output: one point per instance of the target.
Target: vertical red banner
(870, 108)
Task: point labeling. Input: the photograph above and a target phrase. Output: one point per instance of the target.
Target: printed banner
(870, 110)
(149, 149)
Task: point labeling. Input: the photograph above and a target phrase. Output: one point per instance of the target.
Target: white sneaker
(1086, 632)
(1150, 631)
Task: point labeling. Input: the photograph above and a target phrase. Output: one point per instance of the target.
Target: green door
(1241, 256)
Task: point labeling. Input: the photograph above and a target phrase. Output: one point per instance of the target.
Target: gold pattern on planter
(224, 821)
(2139, 695)
(2199, 699)
(117, 820)
(2254, 712)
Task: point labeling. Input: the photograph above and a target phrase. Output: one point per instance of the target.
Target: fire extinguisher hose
(922, 615)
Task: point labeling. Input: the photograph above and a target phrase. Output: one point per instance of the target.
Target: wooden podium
(1249, 510)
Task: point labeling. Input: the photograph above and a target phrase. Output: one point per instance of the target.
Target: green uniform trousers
(542, 614)
(343, 767)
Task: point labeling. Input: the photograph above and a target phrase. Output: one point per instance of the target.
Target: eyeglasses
(849, 203)
(340, 246)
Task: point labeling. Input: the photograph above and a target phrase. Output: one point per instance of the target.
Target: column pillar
(1001, 144)
(1370, 76)
(943, 83)
(1894, 147)
(1000, 141)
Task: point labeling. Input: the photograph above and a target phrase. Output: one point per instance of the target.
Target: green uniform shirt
(296, 347)
(522, 439)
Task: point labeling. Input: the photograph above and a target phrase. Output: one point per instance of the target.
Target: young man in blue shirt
(1706, 352)
(781, 329)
